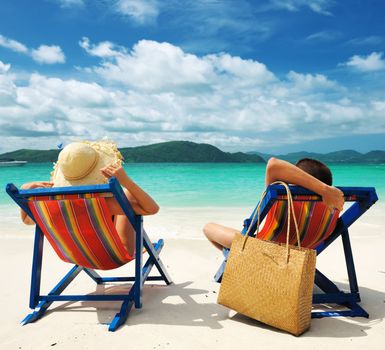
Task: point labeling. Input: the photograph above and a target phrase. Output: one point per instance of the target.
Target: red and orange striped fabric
(81, 231)
(315, 223)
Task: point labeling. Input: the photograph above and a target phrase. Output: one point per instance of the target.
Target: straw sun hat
(79, 163)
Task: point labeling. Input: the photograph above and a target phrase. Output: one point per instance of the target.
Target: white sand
(185, 315)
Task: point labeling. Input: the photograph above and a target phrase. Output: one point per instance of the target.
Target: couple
(88, 163)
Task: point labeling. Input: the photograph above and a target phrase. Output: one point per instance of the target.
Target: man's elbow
(272, 170)
(272, 164)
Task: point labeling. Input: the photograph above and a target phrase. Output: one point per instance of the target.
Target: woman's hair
(317, 169)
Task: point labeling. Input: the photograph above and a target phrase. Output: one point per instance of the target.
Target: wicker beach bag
(268, 281)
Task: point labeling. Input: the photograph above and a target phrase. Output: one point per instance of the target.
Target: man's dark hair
(317, 169)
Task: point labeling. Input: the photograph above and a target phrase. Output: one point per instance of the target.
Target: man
(308, 173)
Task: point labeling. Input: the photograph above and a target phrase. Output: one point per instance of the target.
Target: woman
(89, 163)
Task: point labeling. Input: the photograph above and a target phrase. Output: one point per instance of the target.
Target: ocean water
(200, 184)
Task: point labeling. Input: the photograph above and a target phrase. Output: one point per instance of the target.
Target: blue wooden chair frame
(41, 302)
(365, 197)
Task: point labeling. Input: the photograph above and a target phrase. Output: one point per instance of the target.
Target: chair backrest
(80, 229)
(315, 221)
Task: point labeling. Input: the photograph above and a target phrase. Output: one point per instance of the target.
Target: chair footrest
(357, 311)
(336, 298)
(127, 279)
(90, 297)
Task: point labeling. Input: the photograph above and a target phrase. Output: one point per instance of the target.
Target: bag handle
(290, 209)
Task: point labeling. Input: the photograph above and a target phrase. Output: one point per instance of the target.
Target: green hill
(173, 152)
(375, 157)
(32, 156)
(184, 151)
(190, 152)
(345, 156)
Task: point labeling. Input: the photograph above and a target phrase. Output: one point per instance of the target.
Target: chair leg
(324, 283)
(121, 317)
(151, 261)
(333, 295)
(132, 298)
(221, 270)
(94, 275)
(153, 252)
(355, 311)
(44, 305)
(36, 268)
(349, 262)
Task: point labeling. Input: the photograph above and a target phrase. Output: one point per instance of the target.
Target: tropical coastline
(192, 194)
(198, 96)
(192, 152)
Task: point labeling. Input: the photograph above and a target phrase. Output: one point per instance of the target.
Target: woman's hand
(115, 170)
(141, 202)
(36, 184)
(333, 197)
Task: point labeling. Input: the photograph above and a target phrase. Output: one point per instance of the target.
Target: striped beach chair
(77, 223)
(318, 228)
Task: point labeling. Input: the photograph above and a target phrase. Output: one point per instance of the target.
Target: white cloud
(318, 6)
(368, 40)
(103, 49)
(43, 54)
(70, 3)
(141, 11)
(370, 63)
(7, 86)
(308, 82)
(48, 54)
(154, 66)
(157, 92)
(12, 44)
(325, 35)
(246, 70)
(379, 106)
(4, 68)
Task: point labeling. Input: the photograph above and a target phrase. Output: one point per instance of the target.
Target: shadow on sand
(169, 305)
(177, 304)
(373, 302)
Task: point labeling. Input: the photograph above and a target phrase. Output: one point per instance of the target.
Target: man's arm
(280, 170)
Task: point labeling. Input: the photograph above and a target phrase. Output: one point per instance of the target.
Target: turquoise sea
(201, 184)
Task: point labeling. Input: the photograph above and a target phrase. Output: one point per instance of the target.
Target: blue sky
(272, 75)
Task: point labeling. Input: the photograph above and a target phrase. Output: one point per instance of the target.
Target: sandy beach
(185, 315)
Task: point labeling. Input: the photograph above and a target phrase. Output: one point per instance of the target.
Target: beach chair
(318, 229)
(77, 223)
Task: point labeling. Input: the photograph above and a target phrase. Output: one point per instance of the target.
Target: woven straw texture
(268, 281)
(258, 283)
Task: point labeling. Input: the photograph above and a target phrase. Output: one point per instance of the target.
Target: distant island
(340, 157)
(191, 152)
(165, 152)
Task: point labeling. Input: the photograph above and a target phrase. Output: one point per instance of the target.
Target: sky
(274, 76)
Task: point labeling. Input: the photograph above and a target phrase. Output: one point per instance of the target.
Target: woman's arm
(280, 170)
(27, 186)
(141, 202)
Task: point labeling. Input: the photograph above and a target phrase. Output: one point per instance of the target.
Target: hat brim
(95, 177)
